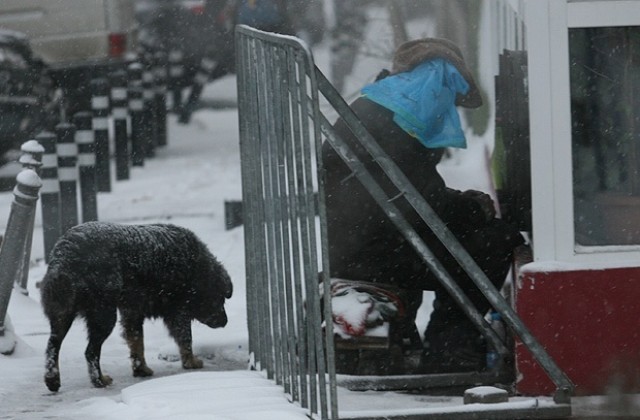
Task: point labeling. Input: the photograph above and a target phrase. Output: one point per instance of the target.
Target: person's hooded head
(413, 53)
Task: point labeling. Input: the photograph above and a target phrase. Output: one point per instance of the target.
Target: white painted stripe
(119, 93)
(49, 161)
(136, 105)
(100, 123)
(68, 174)
(67, 149)
(147, 94)
(120, 113)
(86, 159)
(176, 71)
(99, 102)
(84, 136)
(209, 64)
(50, 186)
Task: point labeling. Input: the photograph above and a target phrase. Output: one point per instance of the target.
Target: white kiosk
(578, 290)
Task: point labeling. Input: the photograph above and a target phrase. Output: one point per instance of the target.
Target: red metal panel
(589, 322)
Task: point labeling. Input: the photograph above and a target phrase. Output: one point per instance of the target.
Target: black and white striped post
(160, 97)
(50, 193)
(86, 166)
(149, 112)
(68, 175)
(31, 158)
(23, 207)
(176, 73)
(136, 108)
(100, 109)
(120, 115)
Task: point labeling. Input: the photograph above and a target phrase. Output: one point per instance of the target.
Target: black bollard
(68, 175)
(176, 73)
(23, 207)
(31, 158)
(100, 109)
(136, 109)
(120, 115)
(50, 193)
(160, 97)
(86, 166)
(149, 112)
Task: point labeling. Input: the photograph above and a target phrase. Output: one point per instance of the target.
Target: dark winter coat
(365, 245)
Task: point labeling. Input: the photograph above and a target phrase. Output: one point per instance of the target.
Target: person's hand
(484, 201)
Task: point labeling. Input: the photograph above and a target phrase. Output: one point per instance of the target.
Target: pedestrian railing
(281, 132)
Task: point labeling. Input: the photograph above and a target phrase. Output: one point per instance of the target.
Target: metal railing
(285, 248)
(281, 132)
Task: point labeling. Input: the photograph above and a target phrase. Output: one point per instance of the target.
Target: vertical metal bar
(254, 211)
(283, 237)
(294, 200)
(274, 217)
(312, 274)
(290, 230)
(261, 229)
(310, 321)
(242, 85)
(273, 366)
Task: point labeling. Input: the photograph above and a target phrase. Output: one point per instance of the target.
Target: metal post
(50, 194)
(68, 175)
(160, 73)
(18, 230)
(86, 166)
(149, 114)
(176, 72)
(120, 116)
(31, 158)
(100, 109)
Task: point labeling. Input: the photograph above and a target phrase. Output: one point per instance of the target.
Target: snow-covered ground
(187, 184)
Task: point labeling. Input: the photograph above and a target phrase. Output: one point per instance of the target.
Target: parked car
(28, 99)
(78, 39)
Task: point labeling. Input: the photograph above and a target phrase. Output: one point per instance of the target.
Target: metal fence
(281, 132)
(284, 245)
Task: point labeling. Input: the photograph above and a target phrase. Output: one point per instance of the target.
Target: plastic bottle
(493, 356)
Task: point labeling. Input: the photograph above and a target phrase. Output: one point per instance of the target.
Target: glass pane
(605, 108)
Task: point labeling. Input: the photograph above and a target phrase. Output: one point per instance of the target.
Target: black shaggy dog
(144, 271)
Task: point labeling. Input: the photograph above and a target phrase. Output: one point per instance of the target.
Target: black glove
(484, 201)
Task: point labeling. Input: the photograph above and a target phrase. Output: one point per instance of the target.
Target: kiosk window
(605, 111)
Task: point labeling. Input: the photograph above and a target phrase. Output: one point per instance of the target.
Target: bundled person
(411, 113)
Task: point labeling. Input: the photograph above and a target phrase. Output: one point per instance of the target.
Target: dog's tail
(57, 294)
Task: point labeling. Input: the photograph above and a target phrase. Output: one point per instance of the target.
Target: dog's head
(214, 290)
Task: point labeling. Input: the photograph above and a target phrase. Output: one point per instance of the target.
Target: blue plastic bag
(423, 102)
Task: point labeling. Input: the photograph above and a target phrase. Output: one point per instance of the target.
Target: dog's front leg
(132, 328)
(179, 327)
